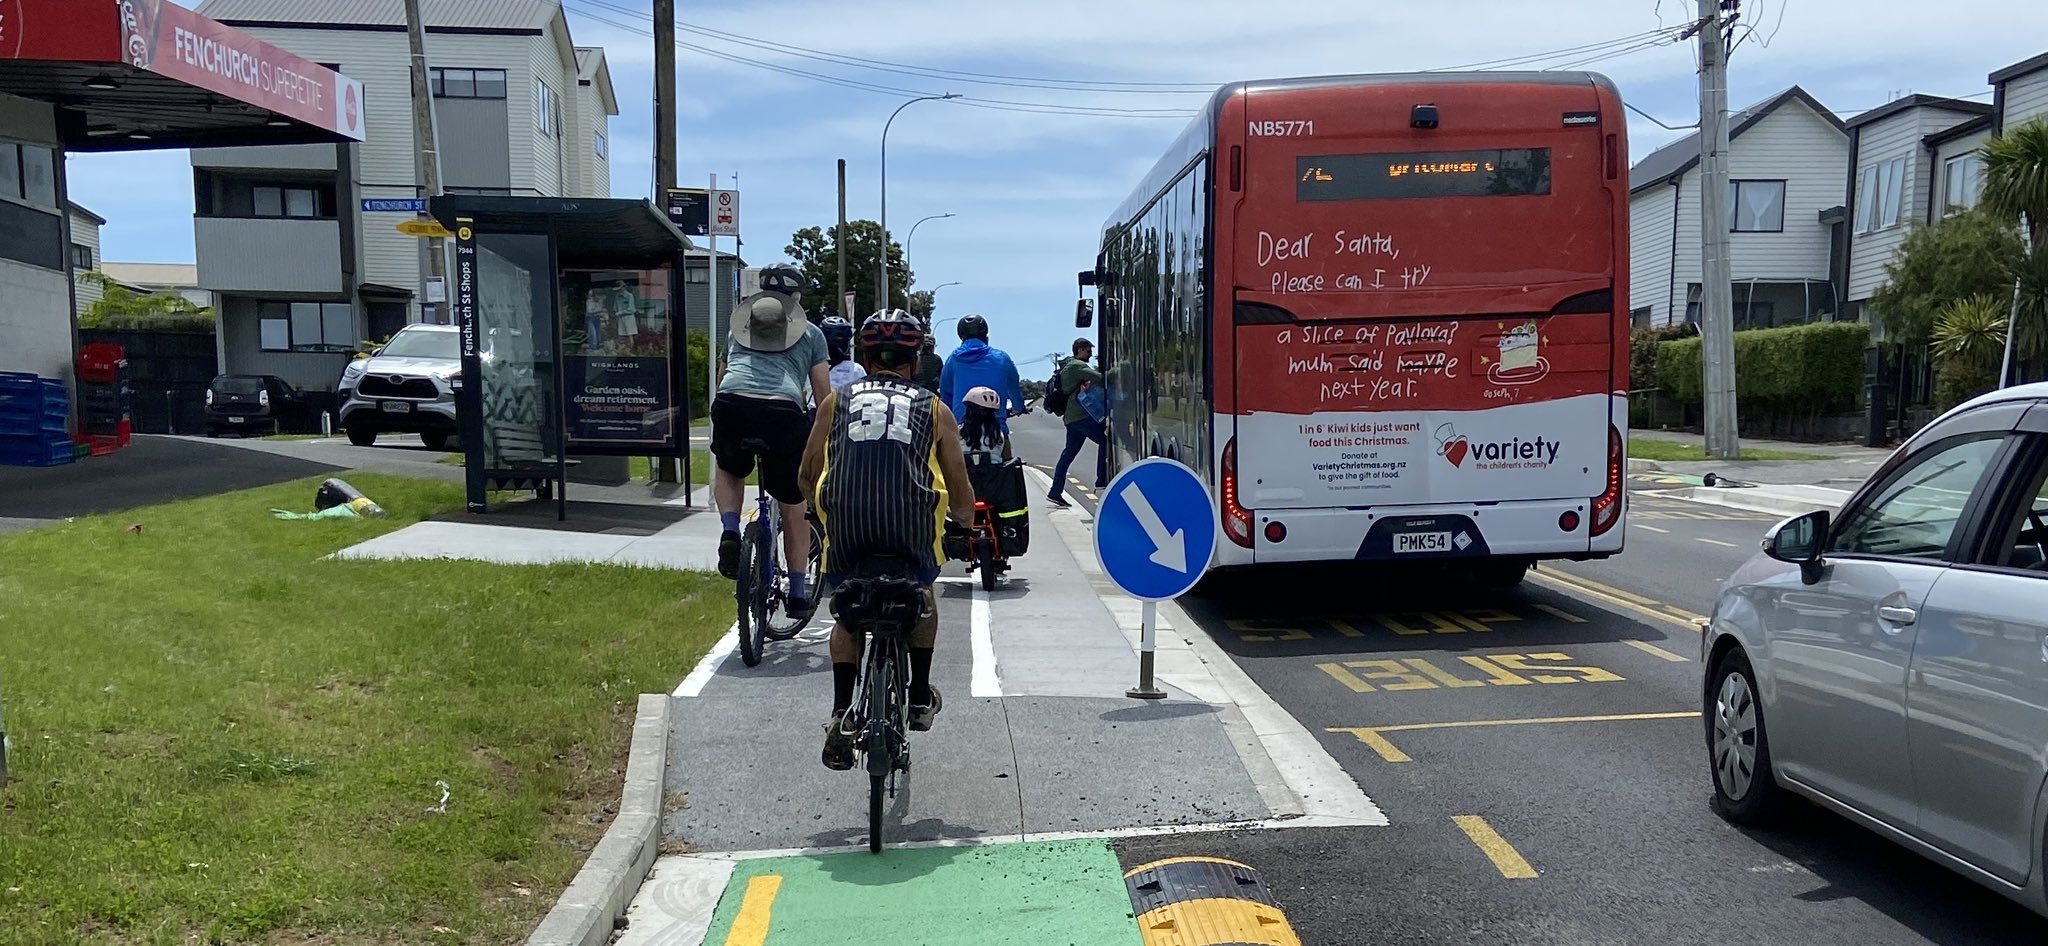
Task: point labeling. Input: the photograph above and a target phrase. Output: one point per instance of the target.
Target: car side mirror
(1798, 541)
(1084, 314)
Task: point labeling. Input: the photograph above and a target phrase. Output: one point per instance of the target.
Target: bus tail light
(1607, 506)
(1237, 520)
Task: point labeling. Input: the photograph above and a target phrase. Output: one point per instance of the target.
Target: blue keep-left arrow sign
(1155, 529)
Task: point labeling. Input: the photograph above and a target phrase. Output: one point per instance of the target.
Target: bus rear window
(1498, 172)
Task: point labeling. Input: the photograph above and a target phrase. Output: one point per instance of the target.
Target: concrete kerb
(588, 912)
(1770, 500)
(1640, 465)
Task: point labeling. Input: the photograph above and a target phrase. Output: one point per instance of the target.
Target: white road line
(1716, 542)
(986, 685)
(693, 685)
(1638, 525)
(1141, 831)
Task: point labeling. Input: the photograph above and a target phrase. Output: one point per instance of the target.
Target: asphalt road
(1540, 755)
(149, 471)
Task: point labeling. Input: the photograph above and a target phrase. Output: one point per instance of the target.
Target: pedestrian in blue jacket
(977, 364)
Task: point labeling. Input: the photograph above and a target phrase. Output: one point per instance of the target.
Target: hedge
(1804, 370)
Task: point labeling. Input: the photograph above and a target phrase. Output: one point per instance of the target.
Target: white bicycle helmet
(985, 397)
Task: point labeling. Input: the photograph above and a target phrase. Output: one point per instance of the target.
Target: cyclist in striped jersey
(885, 469)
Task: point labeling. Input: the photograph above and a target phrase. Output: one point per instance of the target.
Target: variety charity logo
(351, 110)
(1515, 453)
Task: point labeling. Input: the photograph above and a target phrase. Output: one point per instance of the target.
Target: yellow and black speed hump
(1205, 901)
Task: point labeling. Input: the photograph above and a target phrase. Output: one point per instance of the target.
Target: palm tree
(2016, 190)
(1969, 336)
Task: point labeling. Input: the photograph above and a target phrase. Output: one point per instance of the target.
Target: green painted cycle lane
(1064, 893)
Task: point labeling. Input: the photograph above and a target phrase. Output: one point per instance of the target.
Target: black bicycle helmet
(783, 279)
(974, 326)
(838, 331)
(891, 338)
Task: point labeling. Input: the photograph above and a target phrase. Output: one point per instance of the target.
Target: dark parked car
(253, 404)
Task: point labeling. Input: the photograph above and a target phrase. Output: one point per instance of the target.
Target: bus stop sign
(1155, 529)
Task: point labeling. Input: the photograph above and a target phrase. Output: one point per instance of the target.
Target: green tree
(816, 252)
(122, 307)
(1969, 340)
(2016, 191)
(921, 303)
(1967, 254)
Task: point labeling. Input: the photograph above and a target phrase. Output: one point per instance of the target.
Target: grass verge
(1649, 448)
(221, 737)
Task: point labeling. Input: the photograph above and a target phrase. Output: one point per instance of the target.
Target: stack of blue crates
(33, 412)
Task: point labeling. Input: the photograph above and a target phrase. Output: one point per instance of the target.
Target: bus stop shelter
(572, 337)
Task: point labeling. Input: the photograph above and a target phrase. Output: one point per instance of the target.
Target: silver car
(406, 386)
(1890, 662)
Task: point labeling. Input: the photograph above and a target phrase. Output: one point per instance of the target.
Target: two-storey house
(300, 244)
(1786, 157)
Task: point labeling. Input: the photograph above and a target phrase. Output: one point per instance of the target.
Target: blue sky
(1030, 190)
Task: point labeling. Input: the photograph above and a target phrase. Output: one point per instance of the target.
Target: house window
(28, 172)
(697, 276)
(1962, 181)
(547, 110)
(1639, 318)
(1692, 303)
(1756, 206)
(1880, 195)
(306, 326)
(287, 200)
(600, 146)
(466, 83)
(81, 257)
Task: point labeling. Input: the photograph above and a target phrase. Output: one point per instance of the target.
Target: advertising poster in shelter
(618, 345)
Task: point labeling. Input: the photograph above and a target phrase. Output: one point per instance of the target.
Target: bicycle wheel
(748, 591)
(985, 559)
(882, 733)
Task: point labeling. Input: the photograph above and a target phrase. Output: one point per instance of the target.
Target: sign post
(1155, 532)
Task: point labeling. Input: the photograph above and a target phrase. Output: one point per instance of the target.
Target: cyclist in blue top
(977, 364)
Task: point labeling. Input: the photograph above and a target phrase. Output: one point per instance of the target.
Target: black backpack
(1055, 400)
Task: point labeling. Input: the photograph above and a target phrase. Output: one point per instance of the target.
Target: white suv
(406, 386)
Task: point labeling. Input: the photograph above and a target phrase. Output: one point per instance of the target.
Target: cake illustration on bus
(1518, 349)
(1521, 358)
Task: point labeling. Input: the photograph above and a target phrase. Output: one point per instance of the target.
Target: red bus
(1385, 316)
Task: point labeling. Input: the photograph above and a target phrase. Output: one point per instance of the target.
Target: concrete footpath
(1772, 487)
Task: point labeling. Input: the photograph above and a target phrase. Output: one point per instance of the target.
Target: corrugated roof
(2020, 68)
(454, 14)
(1683, 155)
(80, 210)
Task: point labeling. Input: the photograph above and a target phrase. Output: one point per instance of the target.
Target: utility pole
(1717, 302)
(425, 137)
(668, 469)
(839, 244)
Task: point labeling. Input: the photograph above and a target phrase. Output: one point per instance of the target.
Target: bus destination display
(1491, 173)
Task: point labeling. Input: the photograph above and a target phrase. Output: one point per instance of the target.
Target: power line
(1658, 122)
(1532, 58)
(1109, 86)
(1001, 105)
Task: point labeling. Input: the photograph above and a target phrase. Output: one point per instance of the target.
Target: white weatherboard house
(1914, 161)
(84, 255)
(1786, 158)
(302, 273)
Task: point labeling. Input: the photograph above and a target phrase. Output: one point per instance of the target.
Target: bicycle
(881, 605)
(985, 543)
(762, 588)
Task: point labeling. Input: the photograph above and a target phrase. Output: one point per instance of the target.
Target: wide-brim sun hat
(768, 321)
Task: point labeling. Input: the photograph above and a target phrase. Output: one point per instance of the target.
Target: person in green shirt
(1081, 428)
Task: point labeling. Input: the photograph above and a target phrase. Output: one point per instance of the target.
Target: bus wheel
(1501, 572)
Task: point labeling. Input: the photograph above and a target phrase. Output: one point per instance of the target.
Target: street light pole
(912, 235)
(883, 282)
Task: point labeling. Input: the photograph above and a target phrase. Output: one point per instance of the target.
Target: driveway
(148, 471)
